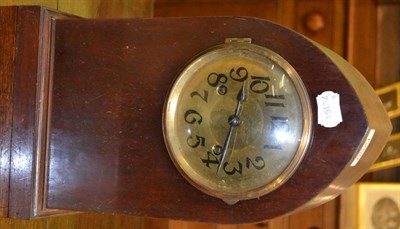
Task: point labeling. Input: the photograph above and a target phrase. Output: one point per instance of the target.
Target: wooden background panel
(362, 37)
(194, 225)
(77, 221)
(278, 223)
(107, 8)
(321, 21)
(190, 8)
(94, 221)
(93, 8)
(388, 47)
(47, 3)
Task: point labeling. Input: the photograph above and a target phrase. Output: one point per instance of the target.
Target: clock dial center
(234, 121)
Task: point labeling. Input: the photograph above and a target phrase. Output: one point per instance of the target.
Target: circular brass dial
(237, 121)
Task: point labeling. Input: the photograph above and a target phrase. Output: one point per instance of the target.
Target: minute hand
(233, 121)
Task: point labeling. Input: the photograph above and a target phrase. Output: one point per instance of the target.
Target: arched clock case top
(98, 136)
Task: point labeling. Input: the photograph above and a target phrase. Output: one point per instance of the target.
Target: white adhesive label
(363, 148)
(329, 113)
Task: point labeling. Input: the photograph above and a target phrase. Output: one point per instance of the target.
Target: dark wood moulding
(88, 99)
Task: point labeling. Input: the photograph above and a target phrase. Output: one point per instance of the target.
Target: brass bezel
(177, 87)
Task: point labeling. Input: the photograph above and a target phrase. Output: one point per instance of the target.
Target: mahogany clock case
(86, 130)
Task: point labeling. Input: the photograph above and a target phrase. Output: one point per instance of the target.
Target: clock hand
(233, 121)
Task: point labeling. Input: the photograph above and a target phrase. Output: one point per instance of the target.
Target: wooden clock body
(87, 102)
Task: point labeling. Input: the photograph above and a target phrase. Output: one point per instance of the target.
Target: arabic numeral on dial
(192, 116)
(211, 159)
(258, 163)
(214, 79)
(241, 74)
(259, 84)
(233, 170)
(203, 96)
(199, 141)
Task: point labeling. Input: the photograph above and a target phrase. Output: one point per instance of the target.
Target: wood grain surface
(69, 7)
(8, 20)
(93, 8)
(24, 112)
(105, 134)
(359, 52)
(107, 8)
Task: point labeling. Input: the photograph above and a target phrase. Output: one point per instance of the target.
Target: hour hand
(241, 96)
(233, 121)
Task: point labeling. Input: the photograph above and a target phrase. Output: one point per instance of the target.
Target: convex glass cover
(237, 121)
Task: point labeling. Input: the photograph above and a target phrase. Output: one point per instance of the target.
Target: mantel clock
(213, 119)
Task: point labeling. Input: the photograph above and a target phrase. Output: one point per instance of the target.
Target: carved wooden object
(88, 98)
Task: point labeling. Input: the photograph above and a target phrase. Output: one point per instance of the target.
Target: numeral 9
(240, 74)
